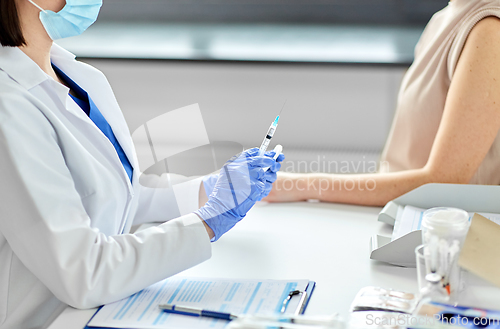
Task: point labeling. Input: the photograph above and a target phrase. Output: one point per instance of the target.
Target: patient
(446, 127)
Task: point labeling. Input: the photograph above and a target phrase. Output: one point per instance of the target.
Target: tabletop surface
(326, 243)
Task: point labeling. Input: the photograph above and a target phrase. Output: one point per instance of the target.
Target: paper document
(410, 219)
(224, 295)
(481, 251)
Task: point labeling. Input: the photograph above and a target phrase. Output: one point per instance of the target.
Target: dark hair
(10, 28)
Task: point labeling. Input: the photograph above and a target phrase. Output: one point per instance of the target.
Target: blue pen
(194, 311)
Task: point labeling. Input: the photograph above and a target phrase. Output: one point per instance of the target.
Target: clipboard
(295, 303)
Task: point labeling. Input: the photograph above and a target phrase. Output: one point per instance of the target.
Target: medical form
(224, 295)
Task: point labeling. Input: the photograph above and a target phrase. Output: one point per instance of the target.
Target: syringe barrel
(271, 131)
(265, 144)
(267, 139)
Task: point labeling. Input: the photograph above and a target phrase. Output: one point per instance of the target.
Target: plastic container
(443, 233)
(445, 223)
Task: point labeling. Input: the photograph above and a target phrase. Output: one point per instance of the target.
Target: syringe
(269, 136)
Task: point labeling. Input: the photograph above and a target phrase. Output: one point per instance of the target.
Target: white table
(327, 243)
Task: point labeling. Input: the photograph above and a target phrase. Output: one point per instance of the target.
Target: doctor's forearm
(202, 200)
(202, 197)
(210, 232)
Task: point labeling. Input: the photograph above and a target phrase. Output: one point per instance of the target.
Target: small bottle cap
(433, 278)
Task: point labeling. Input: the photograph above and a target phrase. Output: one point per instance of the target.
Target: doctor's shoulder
(11, 91)
(18, 107)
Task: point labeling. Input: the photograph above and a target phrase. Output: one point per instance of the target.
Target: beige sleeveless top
(424, 88)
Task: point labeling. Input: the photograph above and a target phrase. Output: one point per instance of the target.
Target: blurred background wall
(379, 12)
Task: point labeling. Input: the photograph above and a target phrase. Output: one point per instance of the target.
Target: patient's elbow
(449, 174)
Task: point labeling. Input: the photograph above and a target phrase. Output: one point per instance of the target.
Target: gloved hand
(241, 182)
(209, 182)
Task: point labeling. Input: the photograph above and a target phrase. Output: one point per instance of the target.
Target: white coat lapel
(98, 88)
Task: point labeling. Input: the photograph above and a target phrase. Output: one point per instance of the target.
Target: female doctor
(70, 184)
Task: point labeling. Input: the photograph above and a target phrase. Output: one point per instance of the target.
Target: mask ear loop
(37, 6)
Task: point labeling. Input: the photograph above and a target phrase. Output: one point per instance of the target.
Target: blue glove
(241, 182)
(209, 183)
(210, 180)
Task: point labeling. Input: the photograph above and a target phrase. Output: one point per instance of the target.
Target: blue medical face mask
(70, 21)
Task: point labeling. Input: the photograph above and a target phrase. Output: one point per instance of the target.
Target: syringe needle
(282, 107)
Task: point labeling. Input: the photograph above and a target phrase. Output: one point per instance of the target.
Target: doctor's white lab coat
(67, 205)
